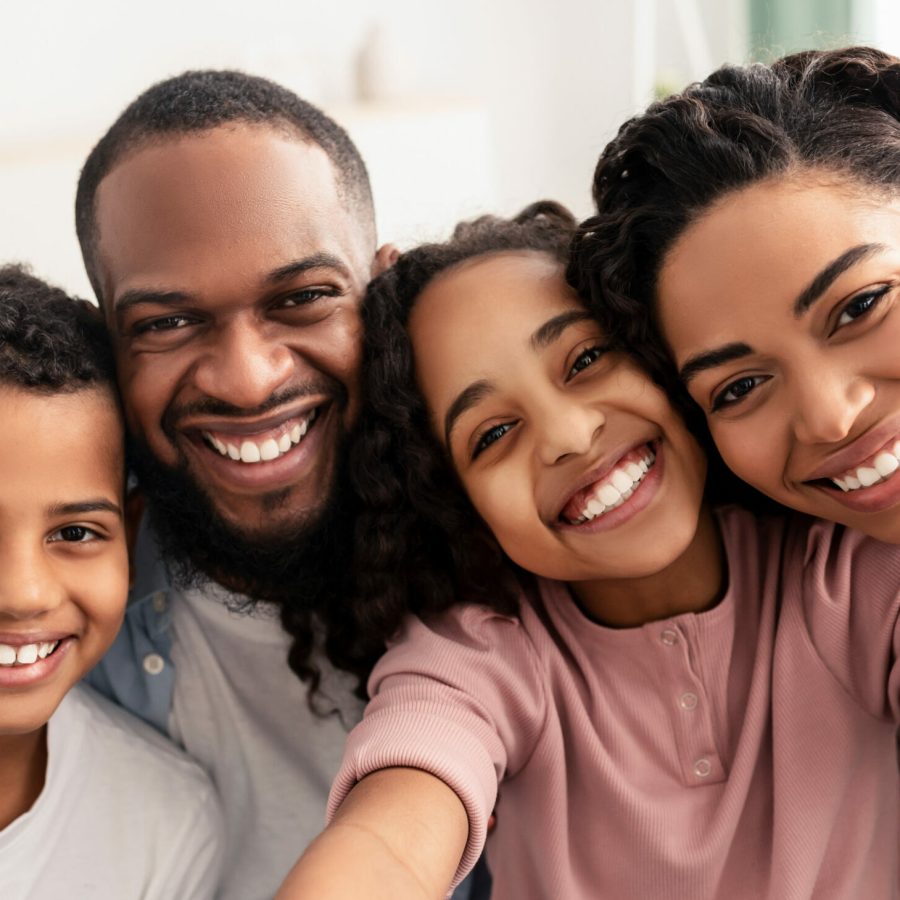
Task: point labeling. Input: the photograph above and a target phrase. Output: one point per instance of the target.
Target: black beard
(300, 568)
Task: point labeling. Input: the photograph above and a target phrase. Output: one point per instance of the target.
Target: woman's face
(781, 306)
(570, 454)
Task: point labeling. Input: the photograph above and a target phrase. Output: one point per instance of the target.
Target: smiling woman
(756, 218)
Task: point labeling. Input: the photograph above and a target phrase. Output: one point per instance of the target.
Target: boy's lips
(35, 660)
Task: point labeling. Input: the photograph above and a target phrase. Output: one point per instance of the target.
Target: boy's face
(63, 553)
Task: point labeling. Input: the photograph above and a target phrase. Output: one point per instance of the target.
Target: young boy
(93, 803)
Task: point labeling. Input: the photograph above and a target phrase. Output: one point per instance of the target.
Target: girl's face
(571, 455)
(781, 306)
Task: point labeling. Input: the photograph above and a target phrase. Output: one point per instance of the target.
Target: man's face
(231, 275)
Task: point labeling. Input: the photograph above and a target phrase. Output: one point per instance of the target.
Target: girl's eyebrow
(831, 273)
(553, 328)
(465, 399)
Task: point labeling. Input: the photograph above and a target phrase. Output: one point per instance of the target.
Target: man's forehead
(247, 197)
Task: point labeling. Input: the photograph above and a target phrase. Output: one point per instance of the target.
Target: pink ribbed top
(744, 752)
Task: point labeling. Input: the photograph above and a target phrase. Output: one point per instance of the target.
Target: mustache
(212, 406)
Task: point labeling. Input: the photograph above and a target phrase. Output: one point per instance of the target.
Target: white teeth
(271, 448)
(886, 464)
(250, 452)
(616, 489)
(26, 654)
(268, 450)
(883, 467)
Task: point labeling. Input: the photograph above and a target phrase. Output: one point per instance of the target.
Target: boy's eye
(490, 436)
(861, 305)
(737, 391)
(586, 358)
(74, 534)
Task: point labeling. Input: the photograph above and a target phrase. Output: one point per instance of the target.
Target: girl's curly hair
(419, 546)
(833, 111)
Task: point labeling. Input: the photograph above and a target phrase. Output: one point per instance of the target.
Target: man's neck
(23, 769)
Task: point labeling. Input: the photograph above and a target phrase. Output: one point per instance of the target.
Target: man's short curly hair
(198, 101)
(50, 342)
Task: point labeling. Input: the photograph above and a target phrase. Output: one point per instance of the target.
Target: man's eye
(737, 391)
(861, 305)
(586, 358)
(304, 297)
(491, 436)
(74, 534)
(164, 323)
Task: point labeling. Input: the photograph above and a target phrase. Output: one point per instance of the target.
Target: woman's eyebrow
(831, 273)
(709, 359)
(465, 399)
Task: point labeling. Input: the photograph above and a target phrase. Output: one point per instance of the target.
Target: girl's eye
(74, 534)
(490, 436)
(585, 359)
(737, 390)
(861, 305)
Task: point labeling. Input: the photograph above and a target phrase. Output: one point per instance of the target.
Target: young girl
(683, 704)
(747, 244)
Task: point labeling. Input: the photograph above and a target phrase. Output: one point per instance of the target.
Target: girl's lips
(639, 499)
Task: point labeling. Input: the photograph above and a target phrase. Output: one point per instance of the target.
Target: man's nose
(244, 365)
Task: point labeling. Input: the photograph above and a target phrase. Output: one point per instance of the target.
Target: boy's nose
(28, 589)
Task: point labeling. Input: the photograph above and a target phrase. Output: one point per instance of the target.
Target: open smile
(27, 661)
(263, 447)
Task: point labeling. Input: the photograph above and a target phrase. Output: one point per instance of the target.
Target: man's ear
(385, 257)
(134, 511)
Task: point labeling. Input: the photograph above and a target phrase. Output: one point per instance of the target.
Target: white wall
(488, 104)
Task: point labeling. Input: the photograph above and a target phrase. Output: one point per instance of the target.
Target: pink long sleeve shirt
(744, 752)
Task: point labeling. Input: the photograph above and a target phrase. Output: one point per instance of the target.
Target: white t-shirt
(123, 815)
(242, 713)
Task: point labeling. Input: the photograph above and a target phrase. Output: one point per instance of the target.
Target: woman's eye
(490, 436)
(586, 358)
(74, 534)
(861, 305)
(737, 390)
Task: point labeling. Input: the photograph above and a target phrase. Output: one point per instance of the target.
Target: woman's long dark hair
(832, 111)
(419, 546)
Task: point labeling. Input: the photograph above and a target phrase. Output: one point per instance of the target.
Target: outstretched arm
(398, 835)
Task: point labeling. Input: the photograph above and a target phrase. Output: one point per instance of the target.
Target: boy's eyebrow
(553, 328)
(98, 504)
(466, 399)
(831, 273)
(709, 359)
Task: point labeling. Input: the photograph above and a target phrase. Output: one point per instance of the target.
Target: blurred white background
(458, 106)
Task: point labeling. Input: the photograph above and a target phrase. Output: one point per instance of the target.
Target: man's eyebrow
(80, 507)
(466, 399)
(140, 296)
(831, 273)
(553, 328)
(315, 261)
(712, 358)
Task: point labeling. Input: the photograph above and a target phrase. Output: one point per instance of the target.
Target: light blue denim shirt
(137, 671)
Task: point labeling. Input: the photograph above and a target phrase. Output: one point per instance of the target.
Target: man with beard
(228, 231)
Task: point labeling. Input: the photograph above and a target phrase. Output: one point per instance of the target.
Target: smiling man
(228, 231)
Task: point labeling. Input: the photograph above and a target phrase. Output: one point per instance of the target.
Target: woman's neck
(23, 768)
(692, 583)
